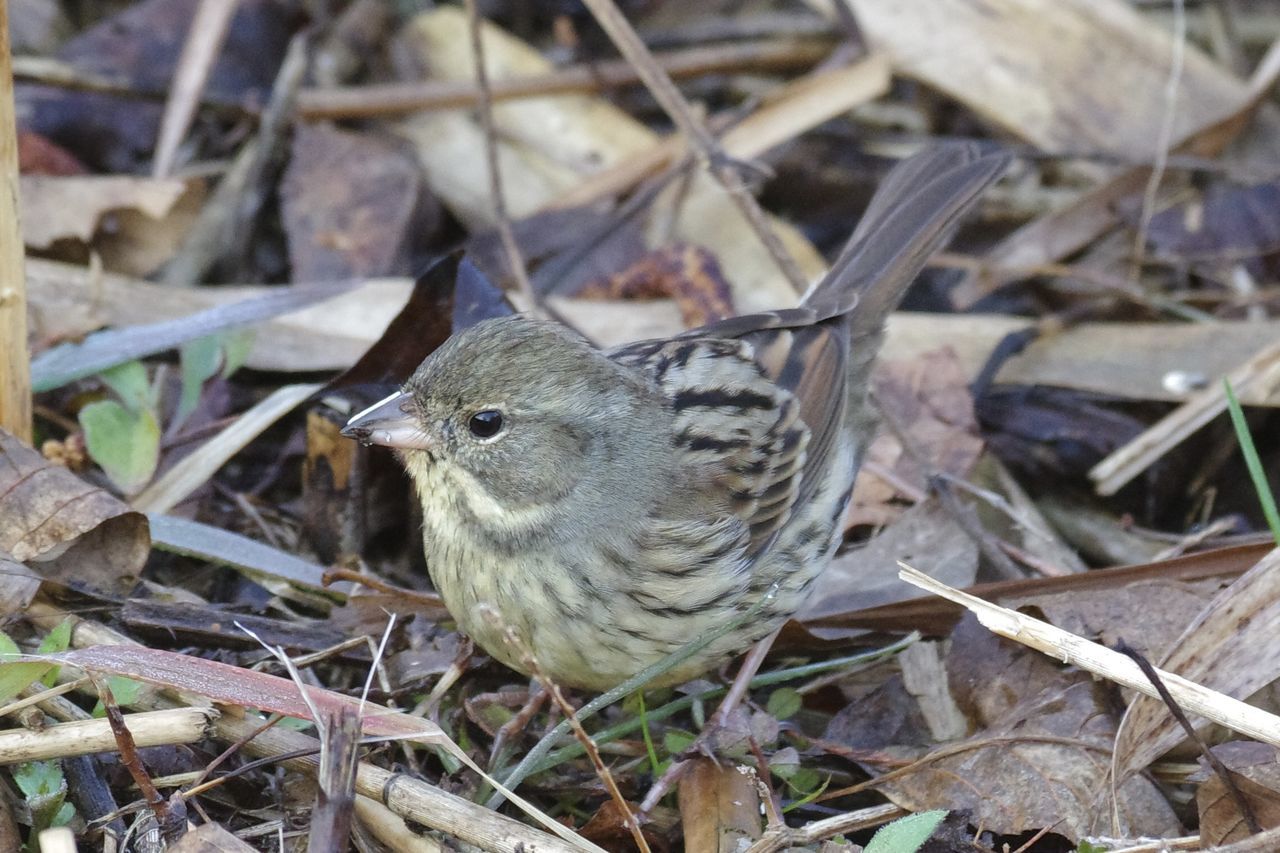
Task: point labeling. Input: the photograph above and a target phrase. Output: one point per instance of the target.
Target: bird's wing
(739, 427)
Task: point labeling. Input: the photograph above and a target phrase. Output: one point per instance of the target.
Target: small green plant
(1253, 462)
(44, 788)
(906, 834)
(122, 433)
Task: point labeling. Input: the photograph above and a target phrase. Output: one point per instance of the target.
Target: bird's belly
(592, 619)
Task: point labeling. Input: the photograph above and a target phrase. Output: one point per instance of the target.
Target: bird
(606, 507)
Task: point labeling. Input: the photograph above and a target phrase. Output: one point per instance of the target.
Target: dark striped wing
(746, 409)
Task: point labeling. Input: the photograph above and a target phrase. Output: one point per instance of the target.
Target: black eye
(485, 424)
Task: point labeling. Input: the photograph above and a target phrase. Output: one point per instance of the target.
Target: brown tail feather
(912, 214)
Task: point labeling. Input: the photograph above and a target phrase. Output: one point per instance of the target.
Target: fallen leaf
(1039, 755)
(70, 532)
(1232, 646)
(72, 207)
(688, 274)
(353, 204)
(929, 397)
(1256, 775)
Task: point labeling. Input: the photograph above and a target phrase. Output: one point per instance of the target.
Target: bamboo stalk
(15, 386)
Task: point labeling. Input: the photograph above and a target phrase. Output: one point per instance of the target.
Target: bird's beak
(390, 423)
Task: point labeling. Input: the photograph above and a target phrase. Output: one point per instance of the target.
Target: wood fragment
(1098, 659)
(1259, 375)
(15, 381)
(397, 98)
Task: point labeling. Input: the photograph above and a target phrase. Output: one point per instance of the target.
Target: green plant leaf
(125, 691)
(57, 640)
(44, 788)
(784, 702)
(126, 443)
(236, 346)
(129, 382)
(15, 673)
(907, 834)
(676, 741)
(201, 360)
(1256, 472)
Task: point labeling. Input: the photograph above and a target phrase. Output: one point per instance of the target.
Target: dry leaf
(688, 274)
(1232, 646)
(69, 531)
(929, 397)
(1039, 757)
(72, 207)
(351, 204)
(1256, 775)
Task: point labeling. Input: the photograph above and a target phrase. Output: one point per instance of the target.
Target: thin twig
(385, 99)
(514, 259)
(553, 690)
(1165, 138)
(664, 91)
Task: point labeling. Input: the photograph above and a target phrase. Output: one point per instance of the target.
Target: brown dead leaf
(135, 243)
(1232, 646)
(18, 585)
(688, 274)
(1039, 757)
(1228, 223)
(353, 204)
(1125, 612)
(39, 156)
(1060, 74)
(1256, 775)
(924, 536)
(70, 532)
(72, 207)
(929, 396)
(209, 838)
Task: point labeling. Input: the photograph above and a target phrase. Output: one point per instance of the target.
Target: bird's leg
(719, 720)
(537, 699)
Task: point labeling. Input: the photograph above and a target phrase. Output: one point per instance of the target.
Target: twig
(514, 259)
(1070, 648)
(1164, 140)
(398, 98)
(664, 91)
(593, 752)
(15, 372)
(818, 830)
(1214, 762)
(205, 38)
(1260, 375)
(738, 690)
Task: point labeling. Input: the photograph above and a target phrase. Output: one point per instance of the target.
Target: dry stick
(15, 372)
(205, 38)
(1070, 648)
(396, 98)
(820, 830)
(659, 84)
(1214, 762)
(1164, 140)
(514, 259)
(1259, 375)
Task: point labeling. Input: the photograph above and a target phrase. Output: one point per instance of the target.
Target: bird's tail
(913, 212)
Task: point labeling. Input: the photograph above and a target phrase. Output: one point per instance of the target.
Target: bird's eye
(485, 424)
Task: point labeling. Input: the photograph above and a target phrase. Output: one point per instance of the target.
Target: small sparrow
(611, 506)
